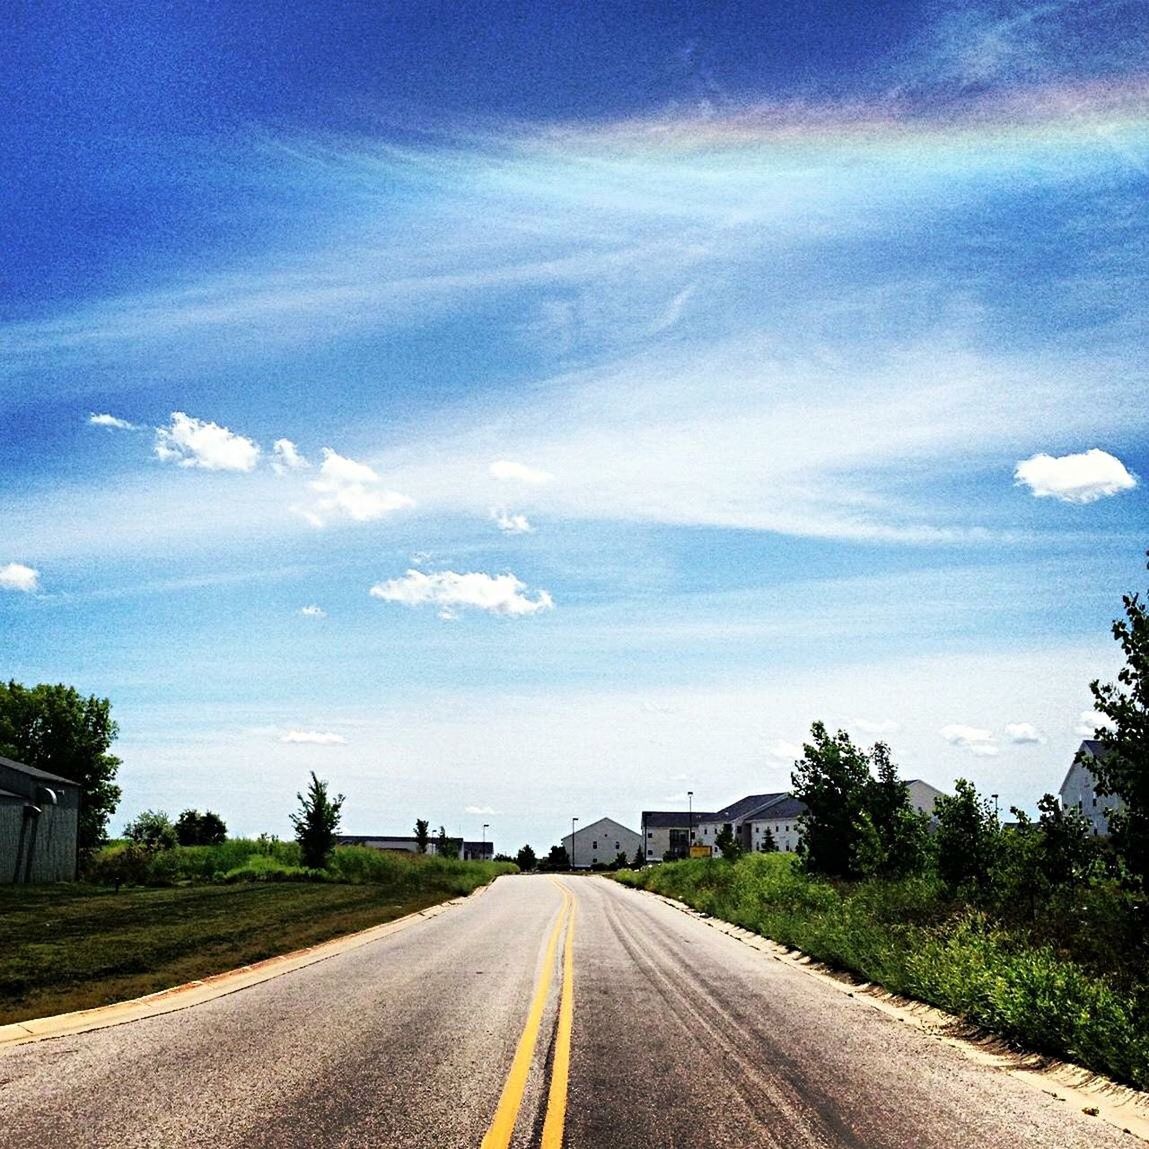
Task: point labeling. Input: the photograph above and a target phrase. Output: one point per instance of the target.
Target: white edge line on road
(208, 988)
(1118, 1105)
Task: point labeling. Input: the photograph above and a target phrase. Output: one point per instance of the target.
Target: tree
(422, 834)
(152, 831)
(728, 844)
(1122, 770)
(526, 860)
(833, 779)
(446, 847)
(639, 859)
(768, 845)
(620, 861)
(196, 829)
(57, 729)
(901, 833)
(966, 839)
(556, 859)
(1068, 848)
(316, 822)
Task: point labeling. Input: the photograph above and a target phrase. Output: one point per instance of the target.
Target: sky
(516, 412)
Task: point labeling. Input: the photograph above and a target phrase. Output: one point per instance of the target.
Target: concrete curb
(208, 988)
(1109, 1101)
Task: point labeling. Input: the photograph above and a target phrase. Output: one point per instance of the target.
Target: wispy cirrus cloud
(1081, 478)
(313, 738)
(190, 442)
(312, 611)
(453, 592)
(111, 421)
(505, 469)
(18, 577)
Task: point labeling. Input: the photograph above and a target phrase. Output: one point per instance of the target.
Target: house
(405, 844)
(600, 842)
(667, 834)
(39, 824)
(734, 815)
(780, 816)
(923, 796)
(1079, 790)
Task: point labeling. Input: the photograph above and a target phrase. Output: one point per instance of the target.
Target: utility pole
(689, 821)
(573, 821)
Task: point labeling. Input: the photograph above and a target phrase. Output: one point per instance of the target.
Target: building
(667, 834)
(405, 844)
(39, 825)
(600, 843)
(780, 817)
(1079, 790)
(734, 815)
(923, 796)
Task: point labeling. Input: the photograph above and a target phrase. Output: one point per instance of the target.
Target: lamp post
(689, 821)
(994, 797)
(483, 848)
(573, 821)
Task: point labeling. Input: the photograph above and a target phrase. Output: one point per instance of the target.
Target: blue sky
(521, 411)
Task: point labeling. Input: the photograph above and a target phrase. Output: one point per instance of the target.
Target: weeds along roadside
(1089, 1007)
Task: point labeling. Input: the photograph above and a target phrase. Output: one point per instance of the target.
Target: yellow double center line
(511, 1100)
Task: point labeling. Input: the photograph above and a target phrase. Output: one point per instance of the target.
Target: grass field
(74, 946)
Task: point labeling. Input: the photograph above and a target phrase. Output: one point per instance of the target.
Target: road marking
(502, 1128)
(560, 1070)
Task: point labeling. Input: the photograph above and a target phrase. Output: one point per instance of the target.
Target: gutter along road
(545, 1012)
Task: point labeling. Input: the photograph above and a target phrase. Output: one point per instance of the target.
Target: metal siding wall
(55, 847)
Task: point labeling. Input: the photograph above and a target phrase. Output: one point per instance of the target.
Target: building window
(594, 845)
(617, 846)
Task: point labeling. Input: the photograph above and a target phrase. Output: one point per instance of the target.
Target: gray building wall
(601, 841)
(37, 835)
(1078, 792)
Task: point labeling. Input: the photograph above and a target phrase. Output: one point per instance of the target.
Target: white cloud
(478, 810)
(512, 524)
(1090, 721)
(195, 443)
(111, 421)
(353, 489)
(885, 726)
(287, 457)
(16, 576)
(977, 741)
(314, 738)
(505, 469)
(1082, 478)
(497, 594)
(1024, 733)
(312, 611)
(784, 751)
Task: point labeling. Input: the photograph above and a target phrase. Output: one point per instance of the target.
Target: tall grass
(908, 938)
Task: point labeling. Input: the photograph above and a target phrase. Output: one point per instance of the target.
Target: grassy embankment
(212, 908)
(1084, 999)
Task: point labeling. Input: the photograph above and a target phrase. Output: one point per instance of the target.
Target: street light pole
(573, 821)
(483, 848)
(689, 821)
(994, 797)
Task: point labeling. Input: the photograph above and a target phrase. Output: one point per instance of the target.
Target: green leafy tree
(55, 728)
(557, 859)
(316, 822)
(967, 840)
(446, 846)
(152, 831)
(196, 829)
(833, 779)
(620, 861)
(901, 834)
(422, 834)
(526, 860)
(1068, 848)
(728, 844)
(639, 859)
(1123, 769)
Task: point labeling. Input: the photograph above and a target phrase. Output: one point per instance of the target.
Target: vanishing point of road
(545, 1012)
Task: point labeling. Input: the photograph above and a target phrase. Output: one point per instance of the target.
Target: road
(650, 1030)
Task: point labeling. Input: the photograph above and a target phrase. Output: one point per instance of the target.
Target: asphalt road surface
(544, 1012)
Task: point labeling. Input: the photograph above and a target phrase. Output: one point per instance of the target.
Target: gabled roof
(737, 811)
(34, 772)
(672, 819)
(603, 823)
(784, 806)
(1093, 747)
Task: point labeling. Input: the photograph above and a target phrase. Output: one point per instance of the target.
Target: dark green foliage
(196, 829)
(1123, 770)
(967, 840)
(526, 860)
(620, 861)
(833, 778)
(639, 859)
(767, 845)
(152, 830)
(902, 834)
(315, 823)
(557, 859)
(422, 834)
(445, 846)
(57, 729)
(728, 844)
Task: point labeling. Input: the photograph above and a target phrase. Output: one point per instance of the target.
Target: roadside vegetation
(194, 911)
(1034, 929)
